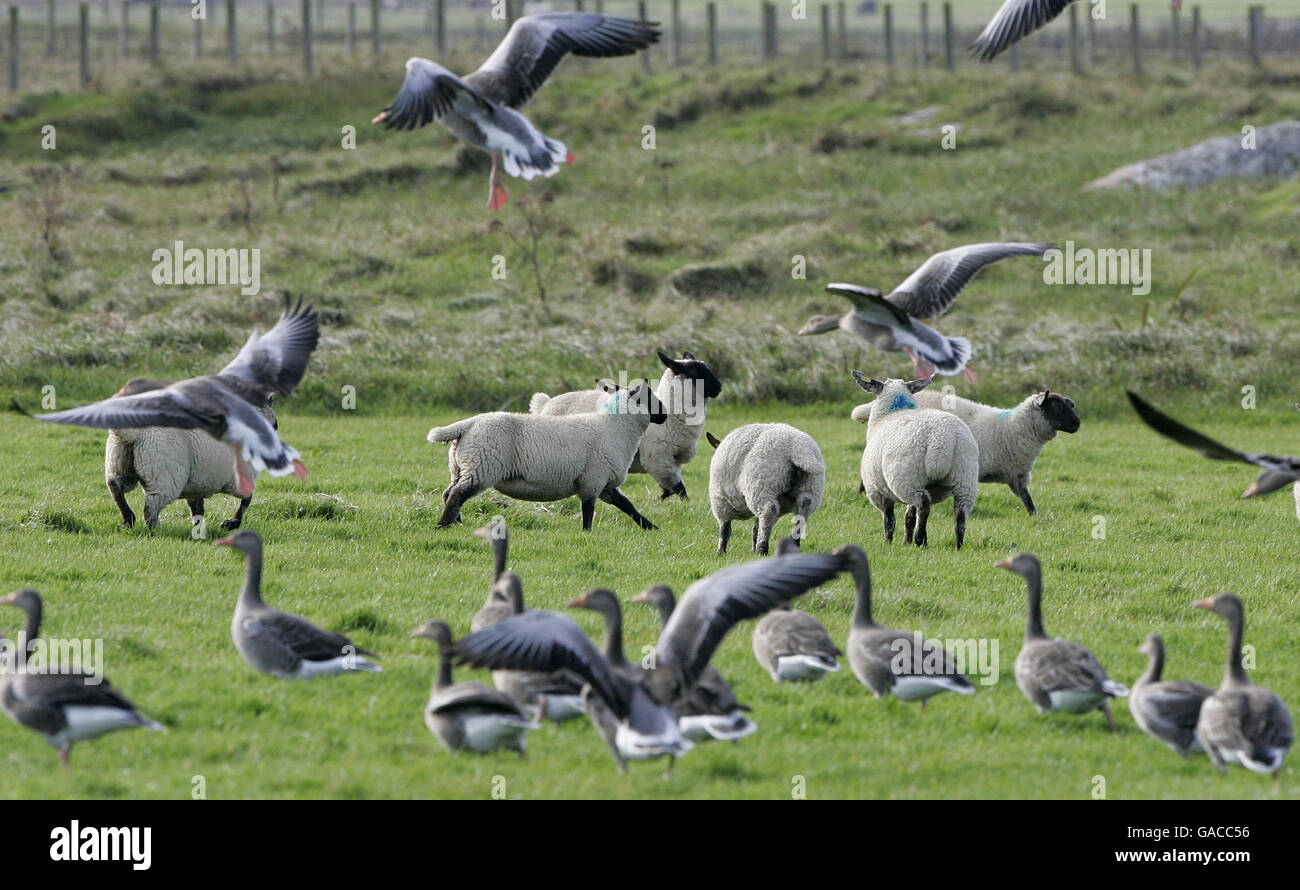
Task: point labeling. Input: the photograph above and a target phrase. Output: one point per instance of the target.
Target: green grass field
(689, 246)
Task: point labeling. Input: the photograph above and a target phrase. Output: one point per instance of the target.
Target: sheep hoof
(230, 525)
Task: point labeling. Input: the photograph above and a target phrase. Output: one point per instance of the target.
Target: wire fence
(51, 45)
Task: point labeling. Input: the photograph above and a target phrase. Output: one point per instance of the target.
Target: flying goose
(1240, 722)
(1057, 675)
(1167, 710)
(639, 701)
(469, 716)
(893, 322)
(480, 108)
(791, 645)
(65, 707)
(1277, 472)
(279, 644)
(224, 404)
(1016, 20)
(710, 709)
(896, 662)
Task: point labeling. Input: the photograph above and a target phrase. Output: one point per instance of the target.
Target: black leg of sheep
(616, 497)
(118, 490)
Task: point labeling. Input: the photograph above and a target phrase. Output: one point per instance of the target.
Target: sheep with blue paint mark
(1009, 439)
(916, 456)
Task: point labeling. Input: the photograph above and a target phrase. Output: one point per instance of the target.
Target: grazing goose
(892, 322)
(224, 405)
(792, 645)
(279, 644)
(469, 716)
(1167, 710)
(710, 709)
(64, 707)
(480, 108)
(1057, 675)
(1277, 472)
(888, 661)
(639, 702)
(1014, 21)
(1240, 722)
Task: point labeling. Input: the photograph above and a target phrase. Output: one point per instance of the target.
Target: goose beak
(418, 632)
(1207, 603)
(1251, 491)
(227, 541)
(9, 600)
(485, 532)
(642, 597)
(578, 602)
(1002, 564)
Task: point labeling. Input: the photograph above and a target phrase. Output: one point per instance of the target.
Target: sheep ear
(715, 441)
(670, 364)
(917, 385)
(688, 356)
(870, 384)
(1042, 400)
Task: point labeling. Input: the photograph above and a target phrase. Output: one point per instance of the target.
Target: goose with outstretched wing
(1013, 22)
(481, 108)
(224, 405)
(893, 322)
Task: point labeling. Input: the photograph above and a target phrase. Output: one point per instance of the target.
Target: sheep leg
(154, 504)
(724, 536)
(909, 523)
(119, 498)
(196, 512)
(962, 510)
(461, 492)
(588, 513)
(616, 497)
(1021, 490)
(887, 511)
(764, 519)
(237, 520)
(922, 517)
(862, 487)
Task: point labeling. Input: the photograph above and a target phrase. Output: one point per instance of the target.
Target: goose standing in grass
(1014, 21)
(279, 644)
(506, 596)
(64, 707)
(794, 646)
(481, 108)
(710, 709)
(1276, 472)
(470, 716)
(224, 405)
(1057, 675)
(1167, 710)
(640, 701)
(896, 662)
(1240, 722)
(893, 322)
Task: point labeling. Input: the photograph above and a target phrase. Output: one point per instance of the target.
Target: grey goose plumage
(481, 107)
(1014, 21)
(280, 644)
(639, 701)
(470, 716)
(710, 709)
(1054, 674)
(65, 706)
(1242, 723)
(1166, 710)
(793, 646)
(895, 662)
(226, 404)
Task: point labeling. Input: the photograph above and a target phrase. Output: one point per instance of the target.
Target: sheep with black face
(552, 457)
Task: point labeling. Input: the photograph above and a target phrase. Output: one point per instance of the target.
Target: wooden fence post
(350, 41)
(154, 25)
(198, 37)
(925, 35)
(1076, 62)
(645, 53)
(232, 32)
(1197, 46)
(841, 30)
(1092, 40)
(270, 28)
(51, 29)
(1254, 14)
(13, 49)
(306, 37)
(1136, 33)
(375, 47)
(1176, 33)
(889, 34)
(826, 31)
(711, 17)
(677, 33)
(83, 45)
(124, 37)
(440, 25)
(949, 50)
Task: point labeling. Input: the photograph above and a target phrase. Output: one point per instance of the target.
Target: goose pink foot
(496, 192)
(969, 375)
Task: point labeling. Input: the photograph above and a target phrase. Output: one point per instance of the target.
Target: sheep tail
(805, 457)
(536, 403)
(451, 433)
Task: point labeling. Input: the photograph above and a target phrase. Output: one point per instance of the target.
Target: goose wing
(277, 359)
(545, 641)
(1176, 701)
(871, 305)
(476, 695)
(1016, 20)
(1064, 665)
(175, 406)
(300, 637)
(931, 289)
(535, 44)
(1166, 426)
(429, 93)
(713, 605)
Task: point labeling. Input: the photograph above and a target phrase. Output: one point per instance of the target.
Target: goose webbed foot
(496, 192)
(968, 375)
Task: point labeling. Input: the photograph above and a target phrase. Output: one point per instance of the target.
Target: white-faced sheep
(762, 471)
(171, 464)
(916, 456)
(684, 388)
(550, 458)
(1009, 439)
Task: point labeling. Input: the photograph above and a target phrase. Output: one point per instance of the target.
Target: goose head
(1153, 646)
(598, 600)
(1226, 604)
(245, 541)
(820, 324)
(1023, 564)
(661, 597)
(26, 599)
(438, 631)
